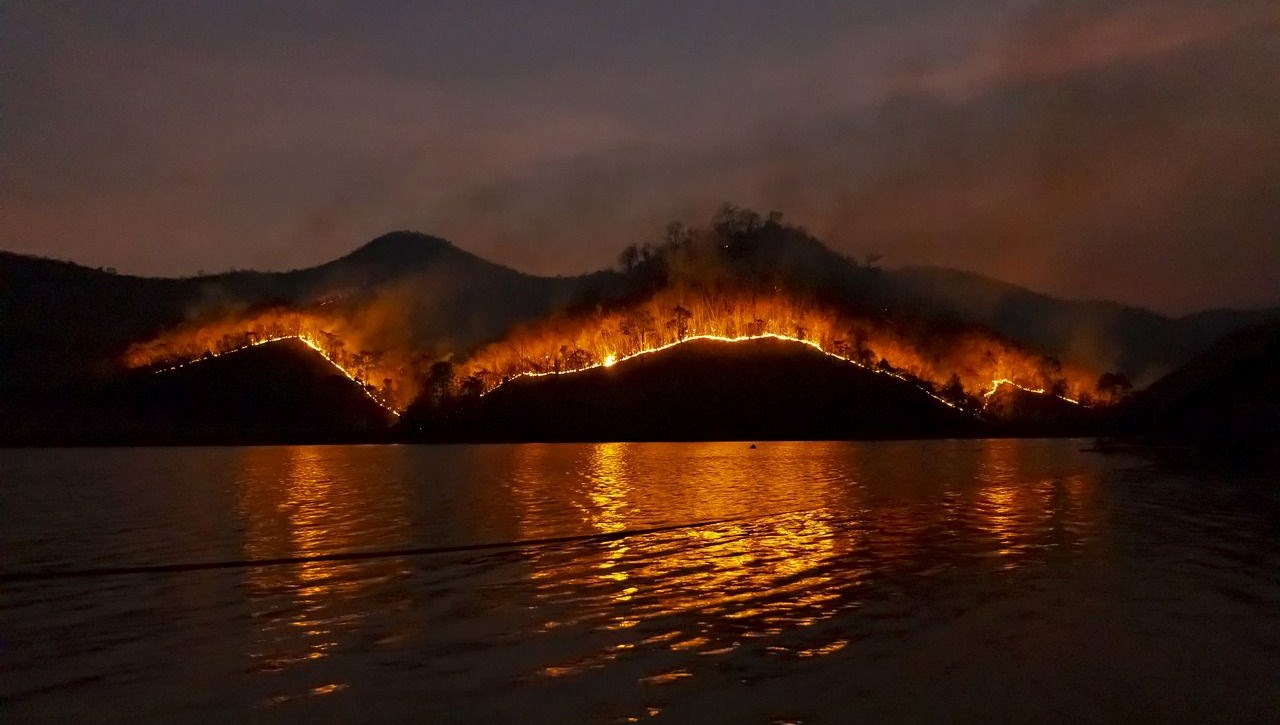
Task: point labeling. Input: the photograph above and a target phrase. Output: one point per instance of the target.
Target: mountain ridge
(457, 299)
(1089, 328)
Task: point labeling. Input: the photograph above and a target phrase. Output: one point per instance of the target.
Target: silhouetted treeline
(64, 327)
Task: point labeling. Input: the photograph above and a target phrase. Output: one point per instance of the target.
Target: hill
(283, 392)
(63, 322)
(391, 309)
(1227, 396)
(1111, 336)
(66, 324)
(700, 390)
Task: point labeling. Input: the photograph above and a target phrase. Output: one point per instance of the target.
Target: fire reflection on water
(1002, 578)
(747, 577)
(796, 552)
(1024, 513)
(805, 533)
(297, 502)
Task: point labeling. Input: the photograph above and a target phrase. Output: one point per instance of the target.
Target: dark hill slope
(1227, 396)
(1115, 337)
(279, 393)
(702, 390)
(61, 323)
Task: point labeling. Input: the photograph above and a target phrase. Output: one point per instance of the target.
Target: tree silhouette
(732, 221)
(637, 325)
(1051, 373)
(471, 388)
(674, 236)
(629, 259)
(576, 358)
(953, 391)
(440, 382)
(863, 354)
(679, 322)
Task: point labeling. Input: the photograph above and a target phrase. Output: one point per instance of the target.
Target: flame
(979, 361)
(309, 342)
(330, 338)
(962, 367)
(996, 384)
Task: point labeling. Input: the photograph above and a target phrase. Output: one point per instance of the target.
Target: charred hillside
(699, 390)
(391, 311)
(65, 324)
(283, 392)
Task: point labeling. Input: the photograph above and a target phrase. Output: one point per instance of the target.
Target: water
(948, 581)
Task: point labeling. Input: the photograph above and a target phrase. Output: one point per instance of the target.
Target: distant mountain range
(1142, 344)
(61, 320)
(64, 327)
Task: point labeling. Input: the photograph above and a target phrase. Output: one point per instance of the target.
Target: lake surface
(942, 581)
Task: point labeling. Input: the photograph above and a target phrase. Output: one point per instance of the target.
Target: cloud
(1058, 39)
(1060, 146)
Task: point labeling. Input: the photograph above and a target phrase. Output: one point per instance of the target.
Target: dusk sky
(1089, 149)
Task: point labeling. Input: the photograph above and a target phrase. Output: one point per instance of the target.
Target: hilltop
(700, 390)
(65, 322)
(277, 393)
(68, 324)
(394, 307)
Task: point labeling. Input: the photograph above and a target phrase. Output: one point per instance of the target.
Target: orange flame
(980, 361)
(936, 360)
(330, 337)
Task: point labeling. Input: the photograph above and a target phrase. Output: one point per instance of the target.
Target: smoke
(1104, 149)
(1139, 174)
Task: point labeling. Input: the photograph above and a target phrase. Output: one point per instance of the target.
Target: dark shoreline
(495, 440)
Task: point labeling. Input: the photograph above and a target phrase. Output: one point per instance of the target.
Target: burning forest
(960, 367)
(745, 277)
(388, 376)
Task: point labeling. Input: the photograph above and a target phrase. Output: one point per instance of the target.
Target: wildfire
(959, 367)
(996, 384)
(309, 342)
(330, 338)
(611, 360)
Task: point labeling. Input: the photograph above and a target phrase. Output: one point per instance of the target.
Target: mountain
(277, 393)
(701, 390)
(1227, 396)
(1113, 337)
(405, 300)
(62, 323)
